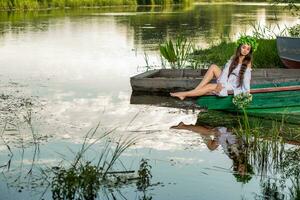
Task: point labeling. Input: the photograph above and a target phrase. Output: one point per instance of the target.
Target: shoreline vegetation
(221, 52)
(181, 53)
(25, 5)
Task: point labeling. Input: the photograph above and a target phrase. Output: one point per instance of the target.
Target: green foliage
(144, 174)
(176, 54)
(290, 163)
(163, 2)
(245, 39)
(244, 178)
(42, 4)
(266, 55)
(242, 100)
(294, 31)
(168, 52)
(84, 181)
(218, 54)
(268, 31)
(81, 182)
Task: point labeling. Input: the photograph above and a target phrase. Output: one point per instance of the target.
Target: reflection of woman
(235, 76)
(232, 147)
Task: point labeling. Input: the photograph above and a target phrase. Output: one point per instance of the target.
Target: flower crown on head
(246, 39)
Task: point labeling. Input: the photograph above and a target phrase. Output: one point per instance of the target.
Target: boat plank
(169, 80)
(260, 100)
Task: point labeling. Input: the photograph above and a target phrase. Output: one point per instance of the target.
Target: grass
(266, 55)
(82, 179)
(176, 53)
(10, 5)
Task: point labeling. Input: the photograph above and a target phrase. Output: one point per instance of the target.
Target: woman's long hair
(235, 61)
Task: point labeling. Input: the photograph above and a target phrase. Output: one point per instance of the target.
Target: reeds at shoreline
(23, 5)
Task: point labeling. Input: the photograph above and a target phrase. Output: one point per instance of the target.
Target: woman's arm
(224, 75)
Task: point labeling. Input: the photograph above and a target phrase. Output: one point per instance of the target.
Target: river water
(63, 72)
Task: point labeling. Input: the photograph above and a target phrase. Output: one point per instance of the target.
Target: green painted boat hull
(274, 105)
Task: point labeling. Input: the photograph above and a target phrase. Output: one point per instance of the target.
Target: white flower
(242, 100)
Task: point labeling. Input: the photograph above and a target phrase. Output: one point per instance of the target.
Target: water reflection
(232, 147)
(203, 23)
(83, 176)
(275, 163)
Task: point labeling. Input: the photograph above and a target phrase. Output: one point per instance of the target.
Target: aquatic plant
(83, 179)
(270, 190)
(144, 174)
(267, 31)
(176, 53)
(290, 170)
(294, 31)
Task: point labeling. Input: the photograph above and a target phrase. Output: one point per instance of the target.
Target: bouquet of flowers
(242, 100)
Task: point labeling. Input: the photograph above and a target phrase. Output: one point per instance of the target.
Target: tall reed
(176, 52)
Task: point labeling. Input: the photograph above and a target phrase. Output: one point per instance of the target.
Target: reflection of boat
(274, 101)
(289, 51)
(167, 80)
(162, 101)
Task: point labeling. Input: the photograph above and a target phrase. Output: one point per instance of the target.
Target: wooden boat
(275, 101)
(169, 80)
(289, 51)
(276, 92)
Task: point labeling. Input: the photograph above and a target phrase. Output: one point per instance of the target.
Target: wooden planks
(170, 80)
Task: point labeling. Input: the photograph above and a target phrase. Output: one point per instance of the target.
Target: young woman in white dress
(235, 76)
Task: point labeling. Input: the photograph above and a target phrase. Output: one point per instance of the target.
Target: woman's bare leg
(202, 130)
(210, 87)
(213, 71)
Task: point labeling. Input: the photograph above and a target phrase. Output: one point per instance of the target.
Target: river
(63, 72)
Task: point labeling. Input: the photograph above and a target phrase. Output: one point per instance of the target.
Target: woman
(235, 76)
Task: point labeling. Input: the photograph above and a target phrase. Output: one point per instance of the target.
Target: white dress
(232, 82)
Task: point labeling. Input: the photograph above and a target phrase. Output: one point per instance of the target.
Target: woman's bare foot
(178, 95)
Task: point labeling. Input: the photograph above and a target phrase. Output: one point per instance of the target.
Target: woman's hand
(219, 88)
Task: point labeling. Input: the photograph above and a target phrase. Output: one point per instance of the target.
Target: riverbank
(22, 5)
(266, 55)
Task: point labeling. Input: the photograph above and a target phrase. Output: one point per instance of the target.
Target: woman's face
(245, 49)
